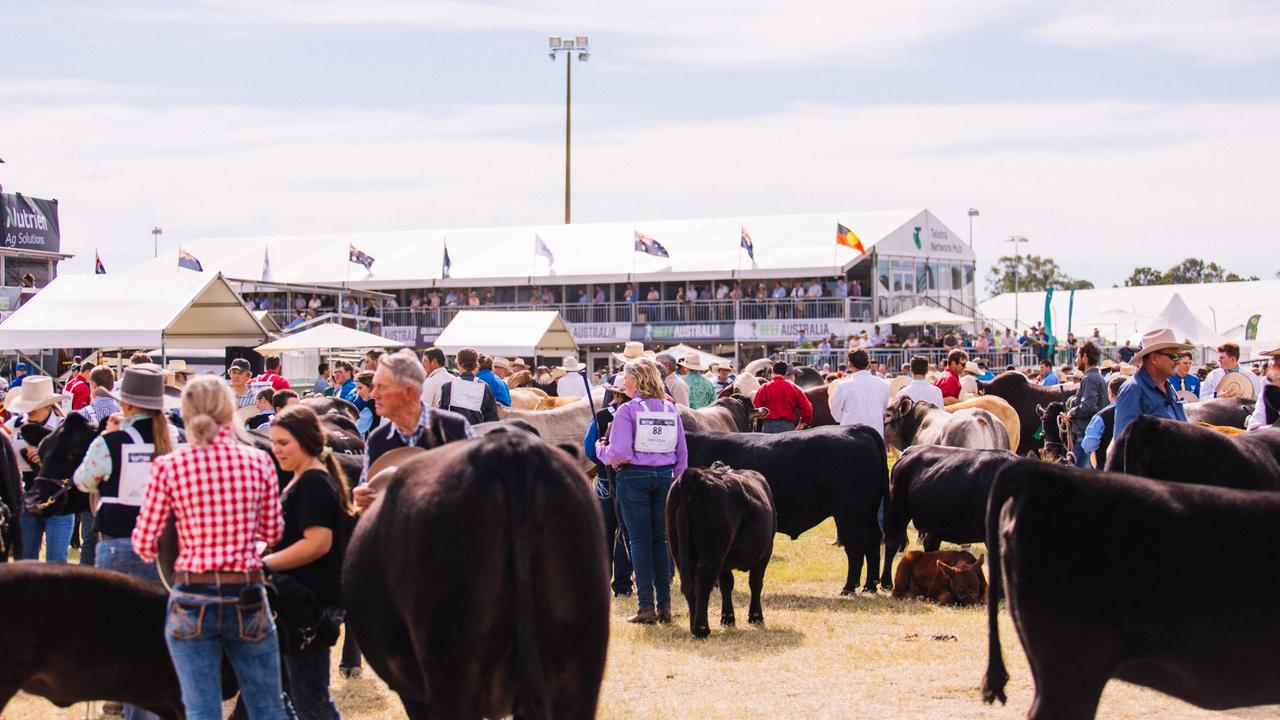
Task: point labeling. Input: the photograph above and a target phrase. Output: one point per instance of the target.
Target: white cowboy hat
(501, 362)
(972, 368)
(571, 364)
(36, 391)
(692, 362)
(722, 366)
(1233, 380)
(179, 367)
(632, 351)
(1158, 340)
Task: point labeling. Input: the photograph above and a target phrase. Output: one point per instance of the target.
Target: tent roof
(698, 248)
(326, 336)
(1185, 325)
(682, 351)
(926, 315)
(182, 309)
(510, 333)
(271, 326)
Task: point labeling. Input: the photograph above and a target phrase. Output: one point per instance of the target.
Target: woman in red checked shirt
(225, 499)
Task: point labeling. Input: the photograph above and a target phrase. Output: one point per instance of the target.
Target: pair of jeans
(88, 540)
(117, 554)
(777, 426)
(54, 531)
(642, 499)
(1081, 457)
(204, 621)
(309, 679)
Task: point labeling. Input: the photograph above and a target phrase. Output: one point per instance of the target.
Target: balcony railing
(894, 358)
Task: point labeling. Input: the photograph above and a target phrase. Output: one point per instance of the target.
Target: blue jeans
(55, 531)
(205, 620)
(117, 554)
(88, 540)
(642, 499)
(309, 679)
(1081, 457)
(777, 426)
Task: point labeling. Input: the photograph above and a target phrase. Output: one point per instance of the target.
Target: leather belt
(218, 577)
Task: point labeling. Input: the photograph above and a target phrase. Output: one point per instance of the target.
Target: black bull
(478, 585)
(839, 472)
(1176, 451)
(1151, 621)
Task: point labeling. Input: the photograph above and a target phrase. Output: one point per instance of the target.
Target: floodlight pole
(155, 238)
(1016, 240)
(571, 47)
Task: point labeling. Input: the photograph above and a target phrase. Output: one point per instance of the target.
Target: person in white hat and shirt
(35, 403)
(572, 384)
(1149, 392)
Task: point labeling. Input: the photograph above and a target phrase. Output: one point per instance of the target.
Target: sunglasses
(1173, 356)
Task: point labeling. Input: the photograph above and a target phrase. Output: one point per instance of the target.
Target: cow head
(901, 420)
(968, 586)
(1053, 427)
(53, 492)
(519, 379)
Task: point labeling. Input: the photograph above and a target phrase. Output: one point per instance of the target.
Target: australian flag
(649, 246)
(445, 263)
(189, 261)
(358, 257)
(98, 267)
(747, 245)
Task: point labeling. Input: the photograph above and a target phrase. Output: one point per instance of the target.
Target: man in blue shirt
(1046, 372)
(344, 379)
(1183, 379)
(501, 394)
(1150, 392)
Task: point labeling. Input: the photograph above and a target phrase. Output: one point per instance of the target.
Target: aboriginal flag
(845, 237)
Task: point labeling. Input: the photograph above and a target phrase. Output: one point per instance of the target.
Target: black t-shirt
(312, 502)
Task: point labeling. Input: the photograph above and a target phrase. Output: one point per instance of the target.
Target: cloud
(58, 90)
(1225, 31)
(1102, 187)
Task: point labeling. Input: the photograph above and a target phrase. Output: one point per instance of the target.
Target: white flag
(540, 248)
(266, 266)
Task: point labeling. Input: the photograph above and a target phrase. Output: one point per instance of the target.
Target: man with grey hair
(671, 379)
(407, 420)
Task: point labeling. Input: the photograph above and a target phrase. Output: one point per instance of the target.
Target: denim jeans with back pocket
(205, 620)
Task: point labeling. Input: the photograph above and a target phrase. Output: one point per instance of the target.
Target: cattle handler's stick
(591, 401)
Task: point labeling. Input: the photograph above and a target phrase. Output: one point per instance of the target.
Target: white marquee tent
(326, 336)
(926, 315)
(510, 333)
(1177, 317)
(194, 310)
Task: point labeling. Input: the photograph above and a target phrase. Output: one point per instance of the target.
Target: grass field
(818, 656)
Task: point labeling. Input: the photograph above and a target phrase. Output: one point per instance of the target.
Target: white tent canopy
(1177, 317)
(926, 315)
(511, 333)
(682, 351)
(327, 336)
(180, 309)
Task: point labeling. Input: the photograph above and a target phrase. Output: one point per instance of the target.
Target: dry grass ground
(818, 656)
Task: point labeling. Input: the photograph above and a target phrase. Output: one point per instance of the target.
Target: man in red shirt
(949, 381)
(788, 407)
(272, 374)
(78, 386)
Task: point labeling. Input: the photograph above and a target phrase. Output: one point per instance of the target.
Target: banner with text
(30, 223)
(662, 332)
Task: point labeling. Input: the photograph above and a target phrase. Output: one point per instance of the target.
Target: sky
(1111, 134)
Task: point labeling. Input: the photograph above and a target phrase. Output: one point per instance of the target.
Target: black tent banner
(31, 223)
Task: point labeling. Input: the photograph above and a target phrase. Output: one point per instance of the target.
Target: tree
(1034, 273)
(1189, 271)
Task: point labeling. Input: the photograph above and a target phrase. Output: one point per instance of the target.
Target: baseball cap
(21, 367)
(240, 364)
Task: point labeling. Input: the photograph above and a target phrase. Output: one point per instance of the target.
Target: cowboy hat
(1126, 369)
(518, 362)
(1231, 381)
(1188, 396)
(35, 392)
(179, 367)
(557, 373)
(972, 368)
(571, 364)
(692, 362)
(722, 366)
(897, 384)
(1157, 340)
(1108, 364)
(633, 351)
(389, 460)
(141, 386)
(501, 362)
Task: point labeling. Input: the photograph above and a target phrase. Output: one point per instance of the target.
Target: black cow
(1056, 436)
(1024, 396)
(944, 491)
(326, 405)
(839, 472)
(516, 618)
(61, 452)
(1227, 412)
(10, 501)
(1184, 452)
(1124, 599)
(720, 520)
(1271, 396)
(807, 377)
(76, 633)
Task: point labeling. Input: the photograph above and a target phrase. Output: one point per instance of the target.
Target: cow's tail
(519, 491)
(997, 676)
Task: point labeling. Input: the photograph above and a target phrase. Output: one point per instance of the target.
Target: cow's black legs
(755, 581)
(416, 710)
(726, 598)
(931, 543)
(874, 534)
(1067, 696)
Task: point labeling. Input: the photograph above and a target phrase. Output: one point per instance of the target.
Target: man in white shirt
(861, 399)
(572, 384)
(921, 389)
(1229, 362)
(433, 361)
(671, 379)
(877, 338)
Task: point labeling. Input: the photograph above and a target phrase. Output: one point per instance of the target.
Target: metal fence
(892, 359)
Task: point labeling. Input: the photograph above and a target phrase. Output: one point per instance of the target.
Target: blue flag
(446, 263)
(355, 256)
(747, 245)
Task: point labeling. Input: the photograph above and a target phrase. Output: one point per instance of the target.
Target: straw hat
(35, 392)
(632, 351)
(141, 386)
(722, 366)
(1108, 364)
(1231, 381)
(571, 364)
(692, 362)
(179, 367)
(1188, 396)
(501, 362)
(971, 368)
(1158, 340)
(1126, 369)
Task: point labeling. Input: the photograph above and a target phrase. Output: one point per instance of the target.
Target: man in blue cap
(20, 370)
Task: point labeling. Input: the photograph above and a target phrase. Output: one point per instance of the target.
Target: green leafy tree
(1033, 273)
(1189, 271)
(1146, 276)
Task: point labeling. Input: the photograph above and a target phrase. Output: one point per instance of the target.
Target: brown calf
(946, 577)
